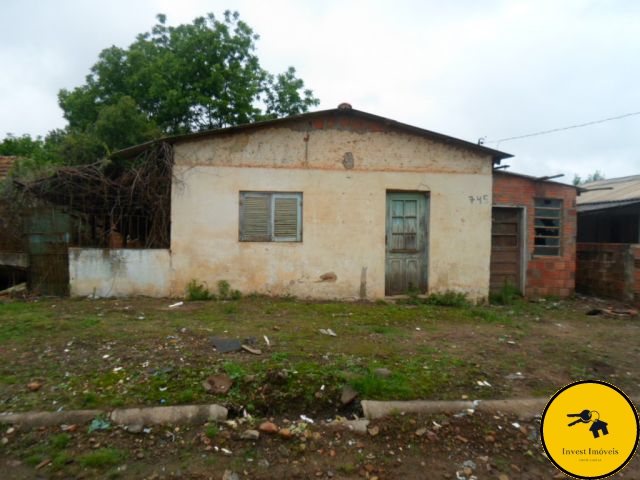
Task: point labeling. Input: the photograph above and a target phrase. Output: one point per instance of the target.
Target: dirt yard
(108, 353)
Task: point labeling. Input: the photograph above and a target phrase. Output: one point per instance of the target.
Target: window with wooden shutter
(270, 217)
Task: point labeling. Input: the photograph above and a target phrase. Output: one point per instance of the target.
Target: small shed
(609, 239)
(533, 235)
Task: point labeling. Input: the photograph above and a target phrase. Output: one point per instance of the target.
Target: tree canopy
(182, 79)
(170, 80)
(592, 177)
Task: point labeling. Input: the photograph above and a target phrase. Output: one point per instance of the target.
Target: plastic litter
(304, 418)
(177, 304)
(98, 424)
(328, 331)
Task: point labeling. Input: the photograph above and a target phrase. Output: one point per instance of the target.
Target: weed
(60, 460)
(197, 291)
(211, 431)
(507, 295)
(236, 295)
(186, 396)
(101, 458)
(230, 309)
(61, 441)
(373, 386)
(224, 289)
(235, 371)
(90, 400)
(448, 298)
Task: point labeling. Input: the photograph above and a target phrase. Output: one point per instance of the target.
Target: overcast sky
(467, 68)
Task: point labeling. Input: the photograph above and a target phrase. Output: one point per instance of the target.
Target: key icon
(584, 417)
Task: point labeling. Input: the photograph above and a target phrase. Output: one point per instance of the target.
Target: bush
(508, 294)
(224, 289)
(197, 291)
(448, 299)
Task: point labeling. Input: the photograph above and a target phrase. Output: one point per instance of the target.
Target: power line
(553, 130)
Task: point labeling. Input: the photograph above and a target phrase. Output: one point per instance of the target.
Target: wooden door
(406, 243)
(506, 247)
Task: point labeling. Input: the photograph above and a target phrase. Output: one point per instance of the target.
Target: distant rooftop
(619, 192)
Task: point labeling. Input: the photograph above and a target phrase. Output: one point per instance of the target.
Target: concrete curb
(181, 414)
(525, 408)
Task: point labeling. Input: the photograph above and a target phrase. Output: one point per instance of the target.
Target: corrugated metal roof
(5, 165)
(623, 189)
(535, 179)
(496, 155)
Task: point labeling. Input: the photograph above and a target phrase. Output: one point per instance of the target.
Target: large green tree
(170, 80)
(181, 79)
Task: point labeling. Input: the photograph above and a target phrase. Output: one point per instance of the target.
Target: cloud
(464, 68)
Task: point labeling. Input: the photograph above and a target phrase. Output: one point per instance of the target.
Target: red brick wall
(609, 270)
(545, 275)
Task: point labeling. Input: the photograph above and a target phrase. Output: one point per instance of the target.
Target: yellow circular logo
(589, 429)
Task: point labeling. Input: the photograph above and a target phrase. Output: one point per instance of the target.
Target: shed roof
(614, 192)
(496, 155)
(537, 179)
(5, 165)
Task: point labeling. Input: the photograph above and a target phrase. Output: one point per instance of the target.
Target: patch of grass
(61, 460)
(197, 291)
(211, 431)
(90, 400)
(488, 315)
(101, 458)
(186, 396)
(507, 295)
(61, 441)
(373, 386)
(234, 370)
(34, 459)
(384, 330)
(448, 299)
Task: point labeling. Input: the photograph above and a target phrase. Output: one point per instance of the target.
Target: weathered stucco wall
(119, 272)
(344, 210)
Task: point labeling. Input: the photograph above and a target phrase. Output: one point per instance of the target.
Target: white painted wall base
(119, 272)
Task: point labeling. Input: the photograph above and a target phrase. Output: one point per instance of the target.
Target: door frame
(424, 263)
(522, 232)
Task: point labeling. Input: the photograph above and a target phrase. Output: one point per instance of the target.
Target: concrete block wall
(545, 275)
(610, 270)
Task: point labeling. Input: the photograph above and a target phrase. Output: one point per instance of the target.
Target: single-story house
(330, 204)
(533, 234)
(609, 239)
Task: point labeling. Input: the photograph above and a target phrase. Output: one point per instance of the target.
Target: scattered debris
(255, 351)
(285, 433)
(34, 386)
(349, 394)
(19, 288)
(228, 474)
(304, 418)
(218, 384)
(268, 427)
(328, 331)
(177, 304)
(226, 345)
(421, 431)
(613, 312)
(266, 340)
(250, 435)
(348, 314)
(43, 463)
(98, 424)
(514, 376)
(373, 431)
(483, 383)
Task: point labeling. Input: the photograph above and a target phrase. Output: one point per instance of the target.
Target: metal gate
(48, 235)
